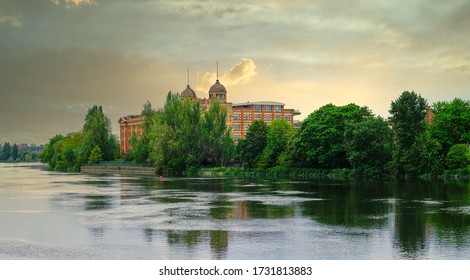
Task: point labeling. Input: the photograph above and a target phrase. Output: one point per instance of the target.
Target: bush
(458, 157)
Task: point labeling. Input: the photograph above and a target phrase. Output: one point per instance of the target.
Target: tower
(217, 90)
(188, 92)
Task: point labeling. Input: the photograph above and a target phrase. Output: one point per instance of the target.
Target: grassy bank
(309, 173)
(278, 172)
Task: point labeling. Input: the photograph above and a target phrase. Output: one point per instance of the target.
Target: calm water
(49, 215)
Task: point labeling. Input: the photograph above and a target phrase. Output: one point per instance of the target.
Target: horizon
(61, 57)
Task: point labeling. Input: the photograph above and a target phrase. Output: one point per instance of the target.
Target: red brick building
(128, 125)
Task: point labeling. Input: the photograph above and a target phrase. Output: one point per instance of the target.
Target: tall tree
(6, 151)
(14, 151)
(97, 130)
(415, 153)
(176, 135)
(408, 118)
(218, 144)
(68, 153)
(279, 133)
(251, 147)
(141, 144)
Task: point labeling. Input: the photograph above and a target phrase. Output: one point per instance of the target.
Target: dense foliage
(251, 147)
(181, 137)
(350, 137)
(91, 145)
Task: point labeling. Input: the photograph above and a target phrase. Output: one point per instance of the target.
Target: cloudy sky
(60, 57)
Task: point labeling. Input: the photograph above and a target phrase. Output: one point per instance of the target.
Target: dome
(188, 92)
(217, 88)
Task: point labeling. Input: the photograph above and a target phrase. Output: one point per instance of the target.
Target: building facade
(245, 113)
(239, 116)
(127, 126)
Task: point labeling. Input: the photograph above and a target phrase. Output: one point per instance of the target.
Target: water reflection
(237, 218)
(219, 243)
(97, 202)
(415, 212)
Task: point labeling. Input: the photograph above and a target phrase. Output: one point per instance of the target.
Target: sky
(58, 58)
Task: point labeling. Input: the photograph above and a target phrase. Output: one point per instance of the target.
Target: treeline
(182, 137)
(92, 144)
(351, 137)
(20, 153)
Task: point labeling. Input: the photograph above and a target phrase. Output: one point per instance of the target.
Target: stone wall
(134, 170)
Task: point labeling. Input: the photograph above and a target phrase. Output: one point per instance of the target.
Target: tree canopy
(91, 145)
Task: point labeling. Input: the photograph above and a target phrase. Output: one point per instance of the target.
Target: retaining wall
(97, 169)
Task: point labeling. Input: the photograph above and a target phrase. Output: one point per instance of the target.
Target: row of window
(237, 127)
(267, 108)
(258, 117)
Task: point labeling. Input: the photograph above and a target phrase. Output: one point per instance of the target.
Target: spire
(188, 76)
(217, 70)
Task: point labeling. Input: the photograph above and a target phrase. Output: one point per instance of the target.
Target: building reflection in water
(415, 213)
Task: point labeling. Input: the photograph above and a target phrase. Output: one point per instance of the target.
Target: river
(52, 215)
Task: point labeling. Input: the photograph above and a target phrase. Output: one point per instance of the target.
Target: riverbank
(310, 173)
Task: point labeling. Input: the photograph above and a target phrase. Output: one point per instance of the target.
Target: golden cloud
(239, 74)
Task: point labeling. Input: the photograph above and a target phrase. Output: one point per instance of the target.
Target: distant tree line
(20, 153)
(92, 144)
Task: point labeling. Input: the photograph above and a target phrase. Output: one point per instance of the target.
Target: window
(236, 127)
(257, 108)
(247, 117)
(267, 117)
(287, 117)
(236, 138)
(236, 117)
(257, 117)
(267, 108)
(277, 108)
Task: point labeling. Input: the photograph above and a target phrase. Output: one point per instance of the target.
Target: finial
(217, 70)
(188, 76)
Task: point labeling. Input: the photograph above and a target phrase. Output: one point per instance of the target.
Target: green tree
(409, 124)
(176, 136)
(49, 154)
(408, 118)
(458, 156)
(218, 144)
(321, 142)
(68, 153)
(95, 155)
(279, 133)
(162, 145)
(369, 146)
(451, 123)
(422, 157)
(14, 152)
(141, 144)
(6, 151)
(97, 132)
(251, 147)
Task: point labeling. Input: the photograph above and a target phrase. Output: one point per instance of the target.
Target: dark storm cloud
(49, 92)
